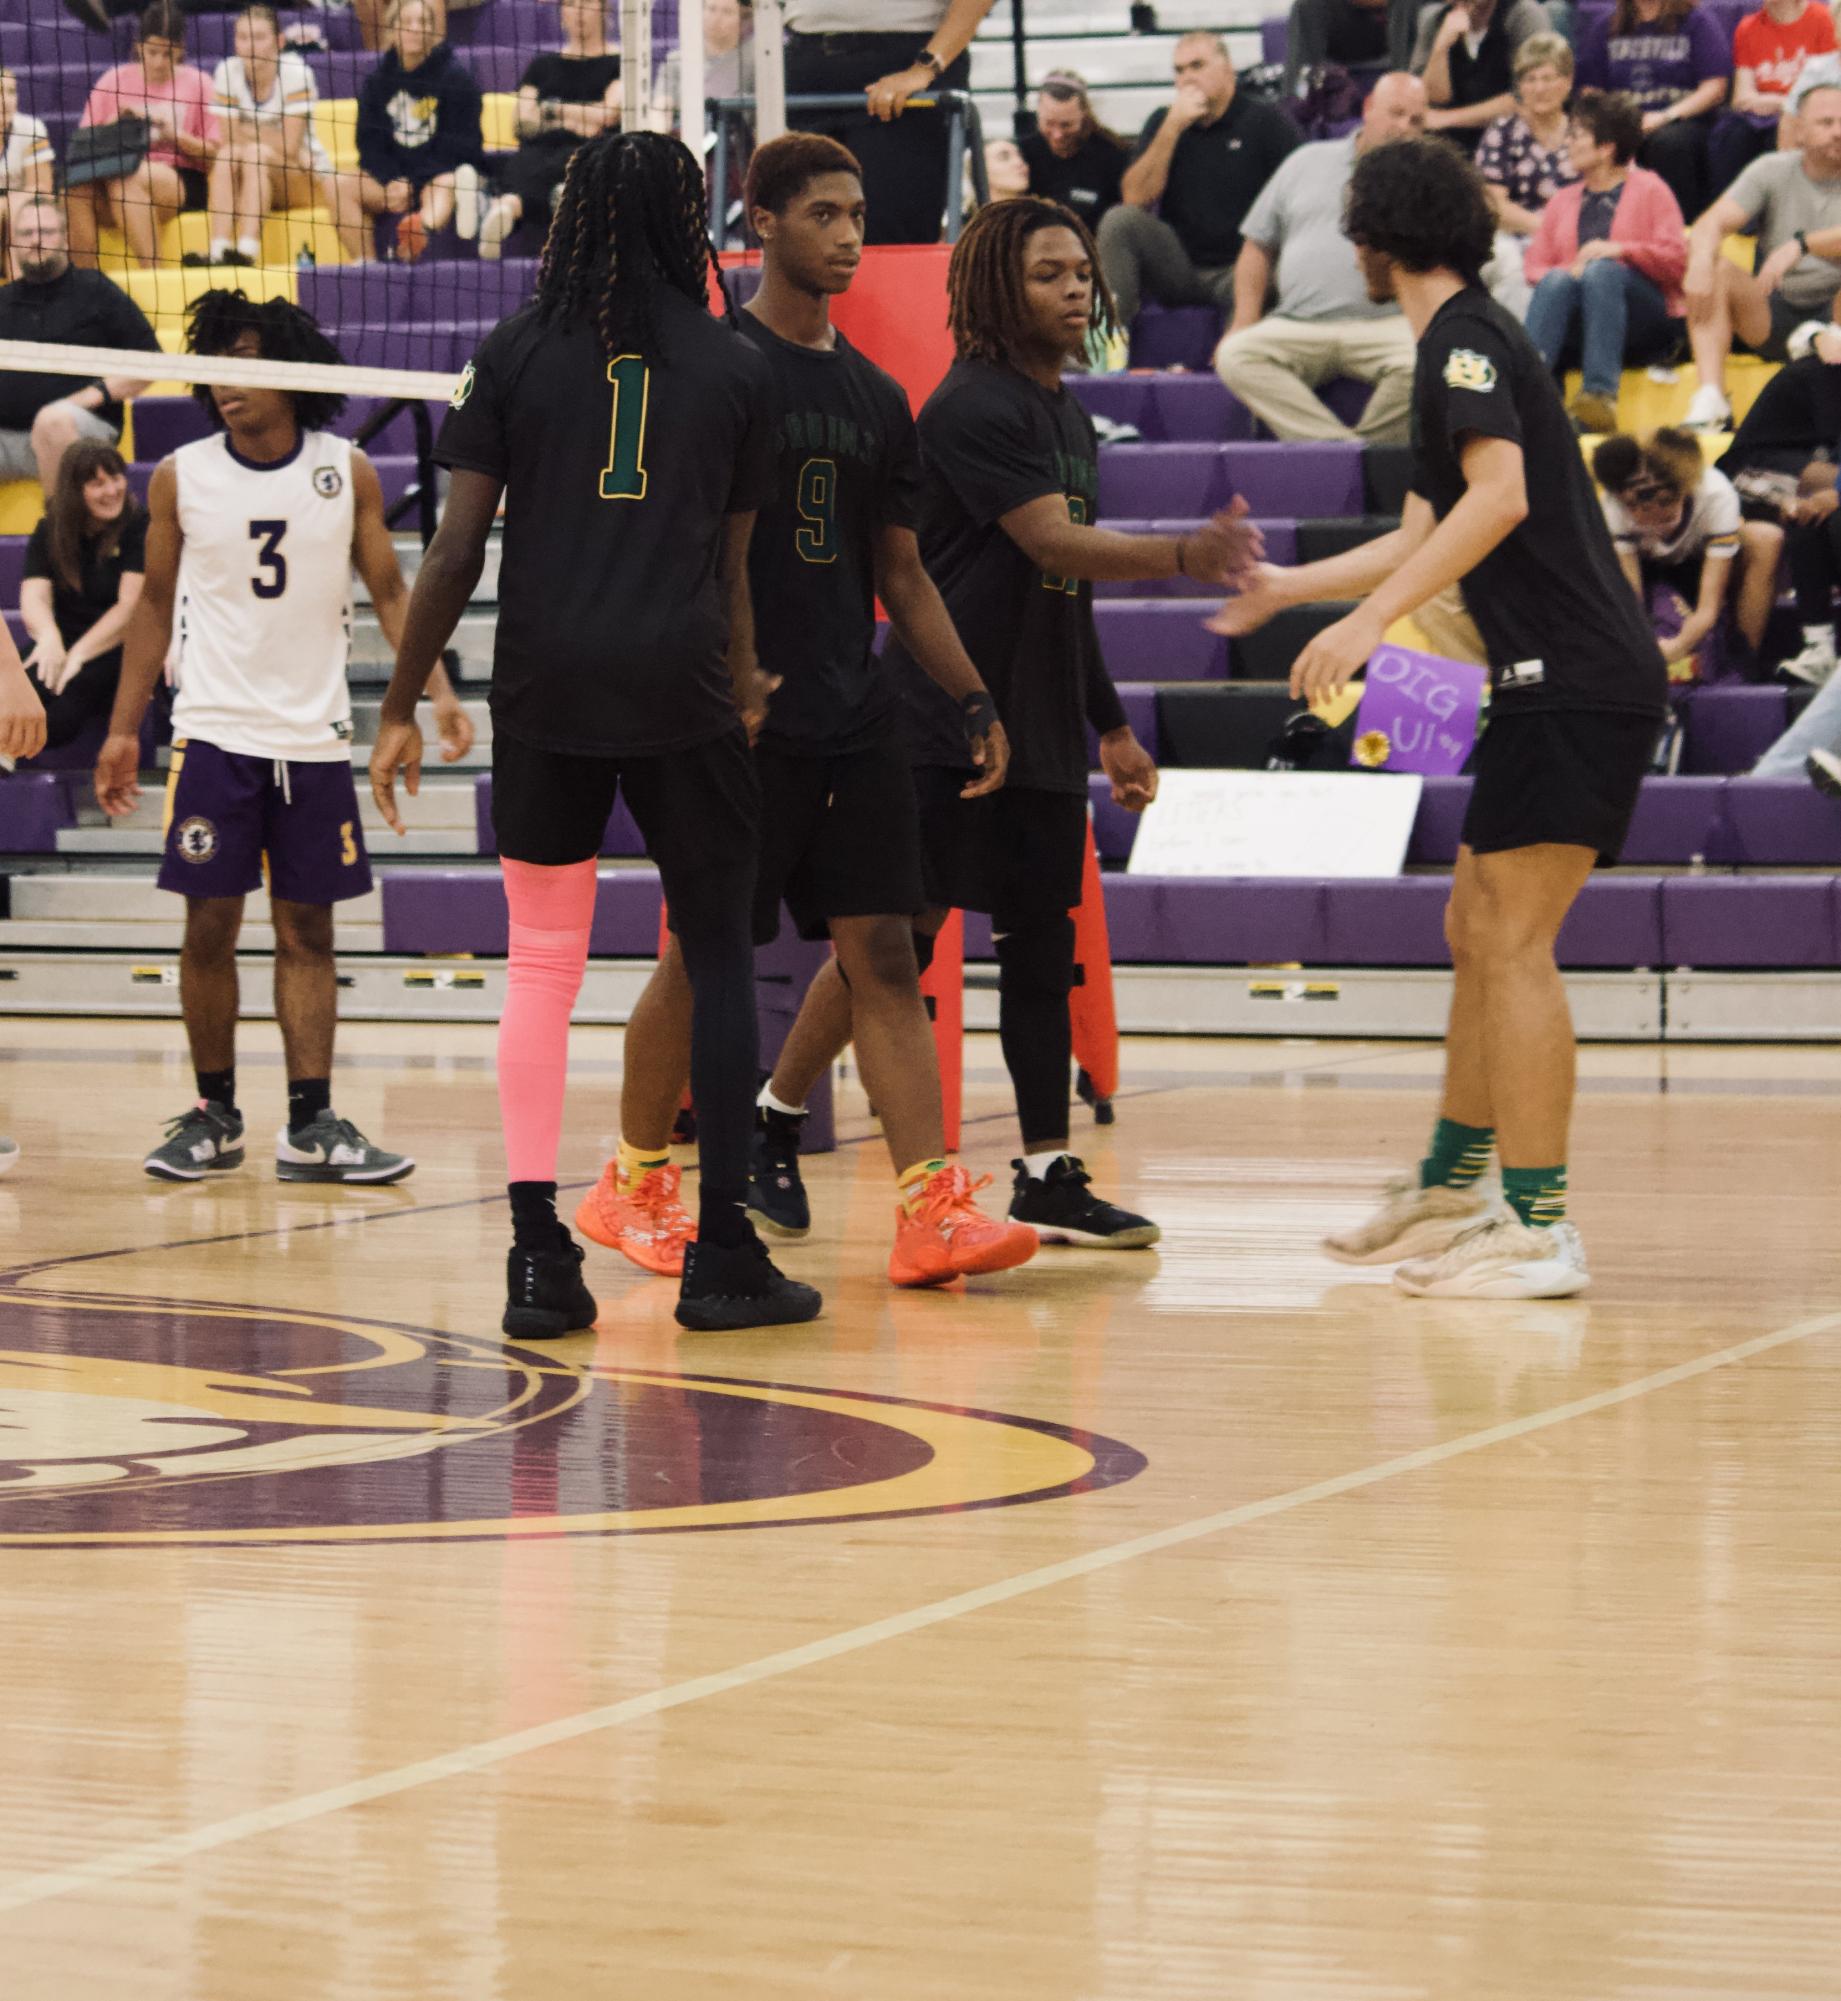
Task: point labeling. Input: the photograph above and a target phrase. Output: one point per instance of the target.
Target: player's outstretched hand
(991, 754)
(1128, 764)
(118, 775)
(1225, 548)
(398, 748)
(1334, 658)
(455, 727)
(1256, 598)
(753, 691)
(22, 718)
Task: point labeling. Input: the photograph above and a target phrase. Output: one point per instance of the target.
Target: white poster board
(1348, 824)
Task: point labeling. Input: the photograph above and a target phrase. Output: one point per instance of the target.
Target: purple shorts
(233, 821)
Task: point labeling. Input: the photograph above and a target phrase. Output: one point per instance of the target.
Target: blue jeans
(1611, 315)
(1817, 728)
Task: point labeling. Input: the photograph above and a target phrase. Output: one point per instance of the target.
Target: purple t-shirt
(1657, 65)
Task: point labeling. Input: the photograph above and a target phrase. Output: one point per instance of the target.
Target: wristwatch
(1800, 238)
(928, 60)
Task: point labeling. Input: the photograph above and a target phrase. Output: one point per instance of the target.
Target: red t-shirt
(1775, 51)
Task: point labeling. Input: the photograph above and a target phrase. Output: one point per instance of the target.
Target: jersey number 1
(271, 560)
(625, 475)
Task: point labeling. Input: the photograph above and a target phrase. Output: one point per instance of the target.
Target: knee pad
(924, 942)
(1038, 962)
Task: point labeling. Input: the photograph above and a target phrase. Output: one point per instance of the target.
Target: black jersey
(846, 467)
(613, 629)
(1562, 626)
(993, 440)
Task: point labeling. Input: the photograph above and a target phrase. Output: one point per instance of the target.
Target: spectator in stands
(1353, 34)
(1682, 540)
(54, 302)
(1073, 158)
(1201, 163)
(728, 59)
(1522, 157)
(27, 163)
(1769, 50)
(1466, 54)
(1794, 199)
(564, 98)
(160, 86)
(1606, 260)
(892, 51)
(1006, 172)
(418, 125)
(1676, 63)
(270, 158)
(1323, 323)
(83, 573)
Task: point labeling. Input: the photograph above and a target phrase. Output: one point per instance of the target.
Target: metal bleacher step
(367, 707)
(120, 912)
(442, 820)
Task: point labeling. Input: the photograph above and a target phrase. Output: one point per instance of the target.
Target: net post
(769, 71)
(636, 107)
(692, 124)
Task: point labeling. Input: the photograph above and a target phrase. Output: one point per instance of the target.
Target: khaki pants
(1275, 367)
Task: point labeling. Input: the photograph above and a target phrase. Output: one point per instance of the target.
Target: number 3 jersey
(265, 599)
(618, 473)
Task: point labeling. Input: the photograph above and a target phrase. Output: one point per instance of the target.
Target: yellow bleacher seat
(335, 125)
(1643, 405)
(498, 120)
(21, 504)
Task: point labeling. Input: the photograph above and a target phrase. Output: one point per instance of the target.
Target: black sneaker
(1062, 1209)
(733, 1286)
(1824, 771)
(775, 1192)
(544, 1293)
(203, 1139)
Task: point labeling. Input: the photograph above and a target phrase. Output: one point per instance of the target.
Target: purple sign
(1418, 713)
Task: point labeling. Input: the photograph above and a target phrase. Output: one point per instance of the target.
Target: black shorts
(194, 190)
(840, 837)
(1785, 319)
(1017, 854)
(697, 809)
(1564, 775)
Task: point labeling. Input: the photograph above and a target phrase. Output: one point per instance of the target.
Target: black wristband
(979, 712)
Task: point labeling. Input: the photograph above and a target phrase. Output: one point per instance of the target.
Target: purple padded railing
(450, 910)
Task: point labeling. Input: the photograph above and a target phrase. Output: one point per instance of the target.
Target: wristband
(979, 713)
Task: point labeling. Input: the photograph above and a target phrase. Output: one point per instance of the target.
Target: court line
(139, 1858)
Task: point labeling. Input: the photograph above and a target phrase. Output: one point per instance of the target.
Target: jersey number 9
(816, 540)
(273, 565)
(624, 477)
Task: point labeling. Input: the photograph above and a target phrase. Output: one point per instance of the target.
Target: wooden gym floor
(1211, 1622)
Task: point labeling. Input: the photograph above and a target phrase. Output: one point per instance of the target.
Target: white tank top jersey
(264, 623)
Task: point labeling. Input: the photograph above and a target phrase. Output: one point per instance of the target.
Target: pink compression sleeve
(552, 911)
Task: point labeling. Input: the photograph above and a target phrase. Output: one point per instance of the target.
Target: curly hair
(633, 217)
(781, 170)
(1422, 203)
(987, 306)
(284, 332)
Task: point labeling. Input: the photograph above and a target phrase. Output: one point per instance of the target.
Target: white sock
(1820, 635)
(251, 247)
(219, 244)
(770, 1103)
(1038, 1164)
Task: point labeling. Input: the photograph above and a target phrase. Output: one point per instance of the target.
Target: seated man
(53, 301)
(1794, 199)
(27, 163)
(1323, 323)
(1201, 163)
(1466, 56)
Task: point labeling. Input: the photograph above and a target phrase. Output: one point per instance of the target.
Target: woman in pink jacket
(1607, 260)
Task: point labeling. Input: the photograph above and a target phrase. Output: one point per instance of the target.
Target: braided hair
(633, 216)
(283, 333)
(987, 304)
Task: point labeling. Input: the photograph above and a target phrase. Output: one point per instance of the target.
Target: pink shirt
(125, 91)
(1647, 226)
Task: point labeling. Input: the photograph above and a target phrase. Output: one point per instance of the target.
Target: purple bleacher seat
(1175, 921)
(1281, 547)
(1749, 920)
(33, 806)
(1675, 820)
(1274, 38)
(341, 72)
(211, 36)
(1124, 399)
(1393, 923)
(1140, 706)
(12, 567)
(622, 838)
(1144, 480)
(1346, 398)
(345, 295)
(438, 347)
(1439, 824)
(521, 23)
(451, 910)
(1150, 639)
(1175, 336)
(1727, 729)
(1292, 480)
(1167, 409)
(163, 423)
(1114, 828)
(1617, 922)
(1779, 823)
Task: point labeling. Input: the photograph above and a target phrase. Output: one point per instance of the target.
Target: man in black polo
(1200, 163)
(51, 301)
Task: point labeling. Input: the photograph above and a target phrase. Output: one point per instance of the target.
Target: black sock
(218, 1087)
(308, 1097)
(722, 1219)
(533, 1212)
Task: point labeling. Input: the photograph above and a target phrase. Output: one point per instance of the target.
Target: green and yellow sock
(1536, 1194)
(637, 1162)
(913, 1180)
(1459, 1155)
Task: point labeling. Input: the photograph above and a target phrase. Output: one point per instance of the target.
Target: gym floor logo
(128, 1423)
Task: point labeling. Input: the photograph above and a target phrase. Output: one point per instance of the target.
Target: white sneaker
(1814, 664)
(1412, 1222)
(1708, 410)
(499, 222)
(1824, 769)
(1502, 1258)
(466, 203)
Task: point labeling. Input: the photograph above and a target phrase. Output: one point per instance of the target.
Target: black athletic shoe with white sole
(544, 1293)
(728, 1287)
(775, 1192)
(1062, 1209)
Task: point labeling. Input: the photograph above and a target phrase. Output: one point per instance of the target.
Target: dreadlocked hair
(283, 332)
(633, 217)
(987, 303)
